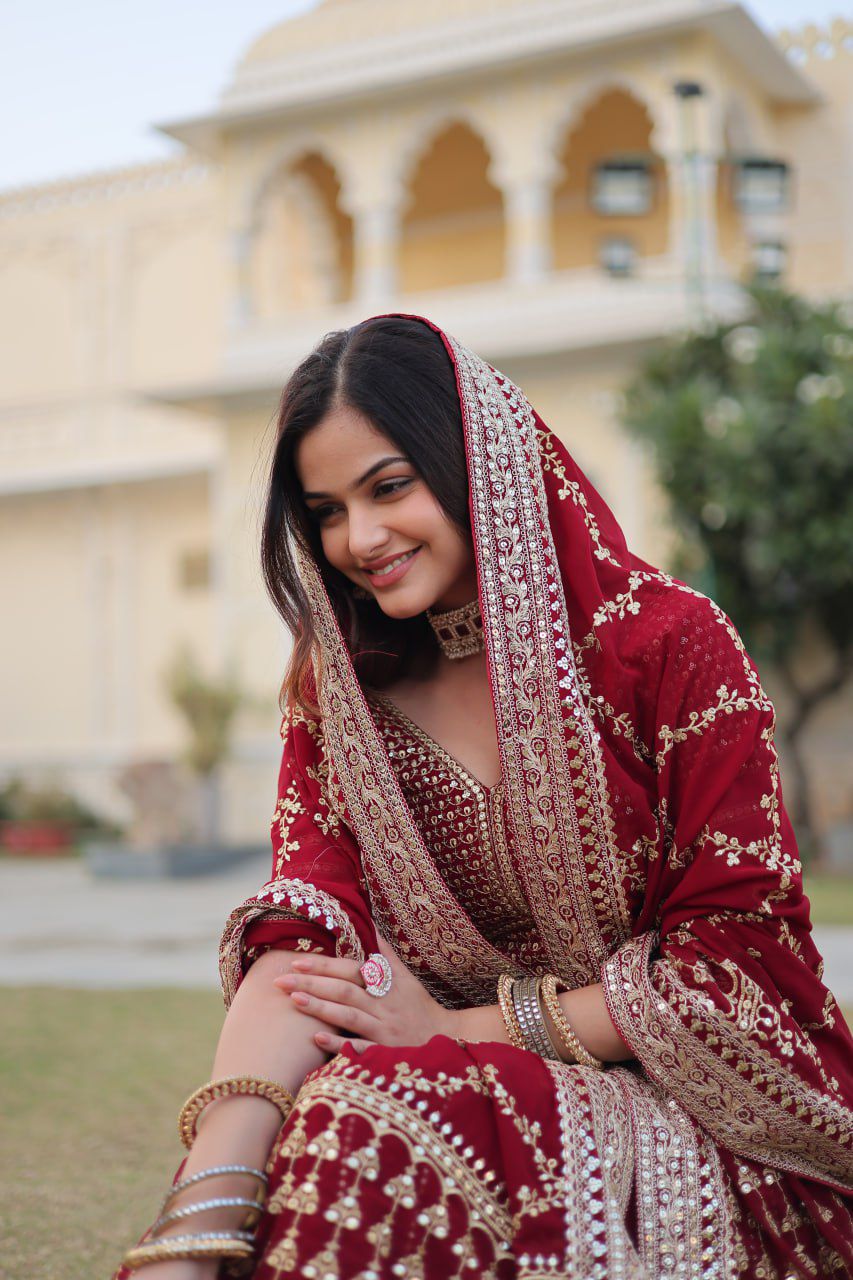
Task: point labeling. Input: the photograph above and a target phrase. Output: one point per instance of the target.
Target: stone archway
(615, 126)
(452, 226)
(302, 249)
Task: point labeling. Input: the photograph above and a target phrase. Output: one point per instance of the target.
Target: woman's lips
(392, 575)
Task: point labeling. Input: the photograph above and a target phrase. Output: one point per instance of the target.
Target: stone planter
(37, 839)
(113, 860)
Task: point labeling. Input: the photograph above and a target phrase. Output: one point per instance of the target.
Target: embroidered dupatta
(637, 756)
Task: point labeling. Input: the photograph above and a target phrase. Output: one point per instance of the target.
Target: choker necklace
(459, 632)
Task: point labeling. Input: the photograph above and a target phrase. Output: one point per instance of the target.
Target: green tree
(751, 428)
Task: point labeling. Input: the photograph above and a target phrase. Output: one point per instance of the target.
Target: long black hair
(398, 375)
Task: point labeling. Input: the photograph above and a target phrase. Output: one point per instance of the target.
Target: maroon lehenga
(637, 838)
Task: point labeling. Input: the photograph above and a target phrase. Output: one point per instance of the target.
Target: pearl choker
(459, 632)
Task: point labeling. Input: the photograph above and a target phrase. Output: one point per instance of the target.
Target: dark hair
(397, 373)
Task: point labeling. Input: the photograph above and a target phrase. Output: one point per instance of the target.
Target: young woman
(511, 750)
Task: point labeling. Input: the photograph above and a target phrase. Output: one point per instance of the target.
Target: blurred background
(641, 212)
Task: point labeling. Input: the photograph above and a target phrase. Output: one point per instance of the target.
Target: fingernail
(302, 965)
(321, 1038)
(299, 997)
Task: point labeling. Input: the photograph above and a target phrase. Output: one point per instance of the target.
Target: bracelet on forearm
(216, 1089)
(525, 995)
(216, 1171)
(218, 1202)
(507, 1009)
(235, 1245)
(570, 1040)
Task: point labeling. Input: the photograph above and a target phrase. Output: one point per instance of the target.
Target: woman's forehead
(339, 449)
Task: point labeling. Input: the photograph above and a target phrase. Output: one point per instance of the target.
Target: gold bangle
(210, 1244)
(507, 1008)
(564, 1027)
(216, 1089)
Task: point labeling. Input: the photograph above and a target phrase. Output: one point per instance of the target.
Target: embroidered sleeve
(722, 1001)
(315, 899)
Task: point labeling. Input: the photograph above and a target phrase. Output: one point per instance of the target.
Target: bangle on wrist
(568, 1037)
(528, 1009)
(231, 1085)
(513, 1030)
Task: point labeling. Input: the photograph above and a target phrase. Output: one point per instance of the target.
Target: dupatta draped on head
(643, 788)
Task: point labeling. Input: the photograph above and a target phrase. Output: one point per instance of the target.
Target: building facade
(557, 182)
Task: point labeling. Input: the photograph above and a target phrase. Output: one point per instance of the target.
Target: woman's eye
(320, 513)
(383, 490)
(391, 486)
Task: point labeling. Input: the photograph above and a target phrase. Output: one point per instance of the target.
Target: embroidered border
(747, 1098)
(545, 731)
(412, 899)
(283, 899)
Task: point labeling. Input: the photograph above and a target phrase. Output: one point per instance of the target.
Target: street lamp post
(693, 241)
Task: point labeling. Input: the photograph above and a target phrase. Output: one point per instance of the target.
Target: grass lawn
(90, 1087)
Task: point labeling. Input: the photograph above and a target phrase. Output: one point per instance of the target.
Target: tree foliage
(209, 707)
(751, 427)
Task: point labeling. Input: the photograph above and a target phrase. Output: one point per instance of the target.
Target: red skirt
(453, 1160)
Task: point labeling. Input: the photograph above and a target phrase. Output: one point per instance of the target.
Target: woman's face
(372, 508)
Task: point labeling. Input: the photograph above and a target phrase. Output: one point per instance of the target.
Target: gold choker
(459, 632)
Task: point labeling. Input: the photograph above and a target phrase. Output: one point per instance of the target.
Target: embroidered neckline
(425, 738)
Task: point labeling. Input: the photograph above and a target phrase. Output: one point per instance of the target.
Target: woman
(510, 748)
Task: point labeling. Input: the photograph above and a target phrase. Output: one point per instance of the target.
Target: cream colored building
(523, 172)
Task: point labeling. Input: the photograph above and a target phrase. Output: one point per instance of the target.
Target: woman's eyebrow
(371, 471)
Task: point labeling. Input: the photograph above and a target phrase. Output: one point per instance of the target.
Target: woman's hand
(333, 991)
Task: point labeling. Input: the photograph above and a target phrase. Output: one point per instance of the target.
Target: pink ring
(376, 972)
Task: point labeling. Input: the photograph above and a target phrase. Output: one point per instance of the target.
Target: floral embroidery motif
(728, 701)
(749, 1101)
(571, 489)
(282, 899)
(545, 730)
(600, 707)
(287, 808)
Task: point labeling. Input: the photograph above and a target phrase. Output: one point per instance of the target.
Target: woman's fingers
(336, 989)
(329, 967)
(337, 1015)
(334, 1044)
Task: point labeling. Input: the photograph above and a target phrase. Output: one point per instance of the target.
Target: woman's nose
(367, 537)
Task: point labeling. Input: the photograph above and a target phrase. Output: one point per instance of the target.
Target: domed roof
(342, 22)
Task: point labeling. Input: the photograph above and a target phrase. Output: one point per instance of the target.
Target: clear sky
(82, 82)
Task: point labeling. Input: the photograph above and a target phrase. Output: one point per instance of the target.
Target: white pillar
(691, 153)
(376, 242)
(527, 209)
(240, 249)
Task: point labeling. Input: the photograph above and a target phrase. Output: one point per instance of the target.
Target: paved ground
(61, 927)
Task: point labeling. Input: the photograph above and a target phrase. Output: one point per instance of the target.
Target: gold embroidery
(390, 1112)
(578, 918)
(728, 701)
(620, 723)
(283, 899)
(571, 489)
(748, 1100)
(462, 821)
(289, 806)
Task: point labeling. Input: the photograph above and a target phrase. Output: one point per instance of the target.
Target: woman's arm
(265, 1035)
(585, 1010)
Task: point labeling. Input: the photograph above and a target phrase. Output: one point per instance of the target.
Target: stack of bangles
(521, 1001)
(233, 1249)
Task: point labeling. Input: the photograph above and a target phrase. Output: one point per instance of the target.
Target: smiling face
(379, 523)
